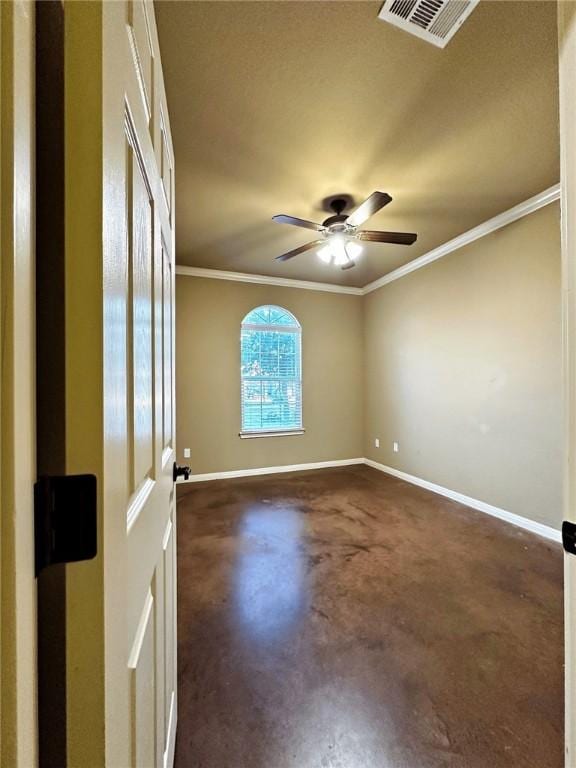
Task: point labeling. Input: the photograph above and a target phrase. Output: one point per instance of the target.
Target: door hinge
(65, 523)
(180, 472)
(569, 537)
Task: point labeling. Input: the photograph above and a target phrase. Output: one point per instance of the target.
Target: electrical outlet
(395, 446)
(377, 443)
(186, 453)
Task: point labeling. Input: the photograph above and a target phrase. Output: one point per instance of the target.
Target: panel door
(121, 608)
(150, 503)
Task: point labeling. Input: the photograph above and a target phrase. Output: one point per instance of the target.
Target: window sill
(280, 433)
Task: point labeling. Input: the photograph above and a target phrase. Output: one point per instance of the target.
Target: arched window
(271, 371)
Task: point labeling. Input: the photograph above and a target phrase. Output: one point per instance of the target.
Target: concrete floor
(344, 619)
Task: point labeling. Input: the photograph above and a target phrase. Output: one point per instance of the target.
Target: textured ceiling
(274, 105)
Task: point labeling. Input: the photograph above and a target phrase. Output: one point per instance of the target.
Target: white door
(567, 54)
(18, 731)
(119, 219)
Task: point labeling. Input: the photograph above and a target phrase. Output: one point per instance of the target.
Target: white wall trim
(497, 222)
(522, 522)
(531, 205)
(171, 738)
(271, 470)
(282, 282)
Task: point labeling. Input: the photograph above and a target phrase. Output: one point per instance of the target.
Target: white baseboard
(270, 470)
(521, 522)
(171, 739)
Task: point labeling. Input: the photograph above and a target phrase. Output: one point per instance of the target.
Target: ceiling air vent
(433, 20)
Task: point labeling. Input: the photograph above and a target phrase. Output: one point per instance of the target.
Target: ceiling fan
(340, 231)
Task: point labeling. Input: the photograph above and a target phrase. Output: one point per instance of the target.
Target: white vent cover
(433, 20)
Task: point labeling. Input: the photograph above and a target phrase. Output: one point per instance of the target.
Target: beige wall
(463, 370)
(208, 317)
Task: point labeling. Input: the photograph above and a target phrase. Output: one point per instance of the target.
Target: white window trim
(277, 433)
(296, 329)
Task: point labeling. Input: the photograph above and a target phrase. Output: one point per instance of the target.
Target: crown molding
(531, 205)
(283, 282)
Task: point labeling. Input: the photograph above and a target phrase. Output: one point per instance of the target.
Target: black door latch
(180, 472)
(569, 537)
(65, 521)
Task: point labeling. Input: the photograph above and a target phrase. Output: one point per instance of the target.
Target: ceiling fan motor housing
(336, 223)
(338, 204)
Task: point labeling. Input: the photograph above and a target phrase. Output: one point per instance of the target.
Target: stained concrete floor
(344, 619)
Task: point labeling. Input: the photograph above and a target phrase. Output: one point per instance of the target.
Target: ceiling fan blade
(284, 219)
(349, 265)
(369, 207)
(300, 249)
(399, 238)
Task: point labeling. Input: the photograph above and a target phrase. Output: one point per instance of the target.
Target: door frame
(18, 670)
(567, 88)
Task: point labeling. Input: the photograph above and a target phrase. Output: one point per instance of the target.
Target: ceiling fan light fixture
(353, 249)
(338, 245)
(339, 251)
